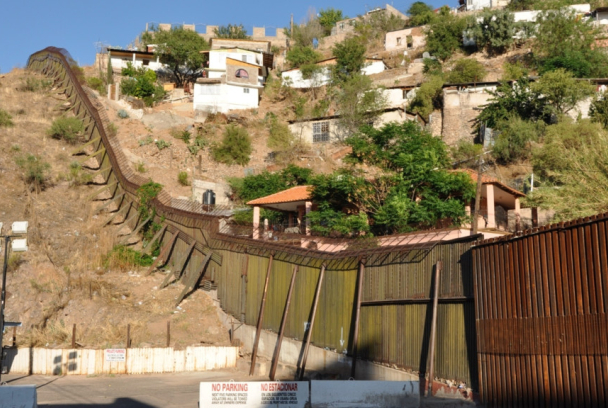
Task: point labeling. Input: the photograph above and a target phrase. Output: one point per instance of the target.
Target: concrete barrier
(372, 394)
(136, 361)
(18, 396)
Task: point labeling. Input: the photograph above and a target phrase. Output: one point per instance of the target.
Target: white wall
(118, 63)
(217, 59)
(138, 361)
(374, 67)
(304, 130)
(295, 80)
(226, 98)
(602, 17)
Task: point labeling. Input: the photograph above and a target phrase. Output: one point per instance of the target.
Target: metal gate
(542, 329)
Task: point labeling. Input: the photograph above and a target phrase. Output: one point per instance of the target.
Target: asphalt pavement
(124, 391)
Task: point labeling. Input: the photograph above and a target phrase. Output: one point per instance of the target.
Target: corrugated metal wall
(395, 334)
(541, 316)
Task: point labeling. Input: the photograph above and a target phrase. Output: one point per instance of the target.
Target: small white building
(293, 77)
(120, 58)
(327, 129)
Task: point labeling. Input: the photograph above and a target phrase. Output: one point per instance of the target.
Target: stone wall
(460, 109)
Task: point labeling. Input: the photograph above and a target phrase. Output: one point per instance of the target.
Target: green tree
(358, 103)
(236, 31)
(329, 17)
(572, 166)
(513, 99)
(305, 33)
(515, 138)
(428, 97)
(235, 147)
(598, 111)
(374, 26)
(495, 31)
(350, 58)
(561, 91)
(298, 56)
(563, 40)
(180, 49)
(260, 185)
(420, 13)
(466, 70)
(422, 190)
(141, 83)
(445, 35)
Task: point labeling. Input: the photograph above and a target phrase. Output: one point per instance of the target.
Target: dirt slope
(62, 279)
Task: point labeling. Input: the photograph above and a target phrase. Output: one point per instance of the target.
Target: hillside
(67, 276)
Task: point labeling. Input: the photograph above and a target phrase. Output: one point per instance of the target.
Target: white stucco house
(232, 79)
(120, 58)
(600, 16)
(294, 79)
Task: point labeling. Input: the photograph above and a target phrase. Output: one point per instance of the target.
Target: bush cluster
(66, 128)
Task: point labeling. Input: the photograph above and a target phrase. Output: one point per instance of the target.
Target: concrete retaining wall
(138, 361)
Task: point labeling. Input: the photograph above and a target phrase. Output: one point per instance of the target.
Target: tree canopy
(420, 13)
(236, 31)
(350, 58)
(180, 49)
(416, 190)
(445, 34)
(329, 17)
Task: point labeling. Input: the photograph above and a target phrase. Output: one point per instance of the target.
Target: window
(246, 90)
(146, 63)
(398, 40)
(320, 132)
(241, 73)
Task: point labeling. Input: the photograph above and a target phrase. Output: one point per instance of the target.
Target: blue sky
(77, 25)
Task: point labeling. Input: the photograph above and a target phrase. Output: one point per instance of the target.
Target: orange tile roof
(298, 193)
(493, 181)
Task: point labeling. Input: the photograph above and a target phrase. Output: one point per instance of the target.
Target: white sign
(115, 354)
(288, 394)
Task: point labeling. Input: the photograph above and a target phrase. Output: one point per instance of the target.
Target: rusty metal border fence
(542, 328)
(393, 309)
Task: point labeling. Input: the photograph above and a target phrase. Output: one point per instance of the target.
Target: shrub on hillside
(66, 128)
(97, 84)
(235, 147)
(182, 178)
(466, 70)
(514, 142)
(35, 85)
(35, 171)
(6, 120)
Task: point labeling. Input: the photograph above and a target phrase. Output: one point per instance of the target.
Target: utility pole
(475, 221)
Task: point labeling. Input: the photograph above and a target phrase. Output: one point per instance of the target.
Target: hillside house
(327, 129)
(233, 77)
(348, 25)
(471, 5)
(294, 79)
(120, 58)
(405, 39)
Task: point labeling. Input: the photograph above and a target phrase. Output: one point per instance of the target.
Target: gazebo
(296, 202)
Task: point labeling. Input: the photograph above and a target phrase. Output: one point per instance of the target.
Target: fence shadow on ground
(118, 403)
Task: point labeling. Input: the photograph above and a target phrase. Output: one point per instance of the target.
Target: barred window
(320, 132)
(245, 90)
